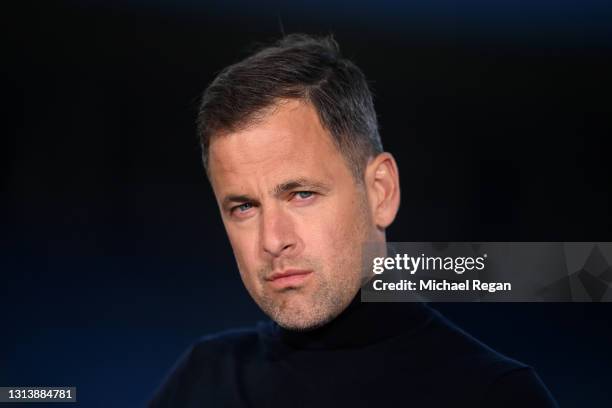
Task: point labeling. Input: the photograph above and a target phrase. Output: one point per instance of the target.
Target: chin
(303, 325)
(305, 312)
(303, 319)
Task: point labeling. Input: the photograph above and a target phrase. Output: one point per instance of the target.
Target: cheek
(338, 233)
(350, 231)
(323, 228)
(244, 252)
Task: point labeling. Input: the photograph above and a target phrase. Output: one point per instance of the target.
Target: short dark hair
(302, 67)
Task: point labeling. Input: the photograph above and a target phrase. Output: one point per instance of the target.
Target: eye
(303, 195)
(242, 207)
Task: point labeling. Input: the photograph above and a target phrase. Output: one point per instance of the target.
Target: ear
(382, 185)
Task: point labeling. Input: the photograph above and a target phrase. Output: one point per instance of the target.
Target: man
(291, 148)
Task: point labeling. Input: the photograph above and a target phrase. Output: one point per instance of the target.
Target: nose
(277, 233)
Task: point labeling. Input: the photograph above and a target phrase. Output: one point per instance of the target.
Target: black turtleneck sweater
(371, 355)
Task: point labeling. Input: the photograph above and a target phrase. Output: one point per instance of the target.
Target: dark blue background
(113, 256)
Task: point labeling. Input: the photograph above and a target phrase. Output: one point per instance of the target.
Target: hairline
(260, 115)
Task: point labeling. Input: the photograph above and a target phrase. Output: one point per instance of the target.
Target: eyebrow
(233, 198)
(280, 189)
(300, 183)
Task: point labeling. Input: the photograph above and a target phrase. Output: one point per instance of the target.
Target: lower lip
(290, 281)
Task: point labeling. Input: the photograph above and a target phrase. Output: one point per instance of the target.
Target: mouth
(289, 278)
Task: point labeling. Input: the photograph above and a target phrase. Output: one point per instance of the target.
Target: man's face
(294, 214)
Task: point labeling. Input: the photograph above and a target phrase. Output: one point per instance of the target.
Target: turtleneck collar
(360, 324)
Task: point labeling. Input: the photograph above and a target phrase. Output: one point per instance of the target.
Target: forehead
(289, 142)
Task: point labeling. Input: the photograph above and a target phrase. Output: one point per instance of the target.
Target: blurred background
(113, 258)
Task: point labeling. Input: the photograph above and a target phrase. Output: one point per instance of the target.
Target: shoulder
(446, 343)
(483, 373)
(232, 341)
(204, 367)
(520, 387)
